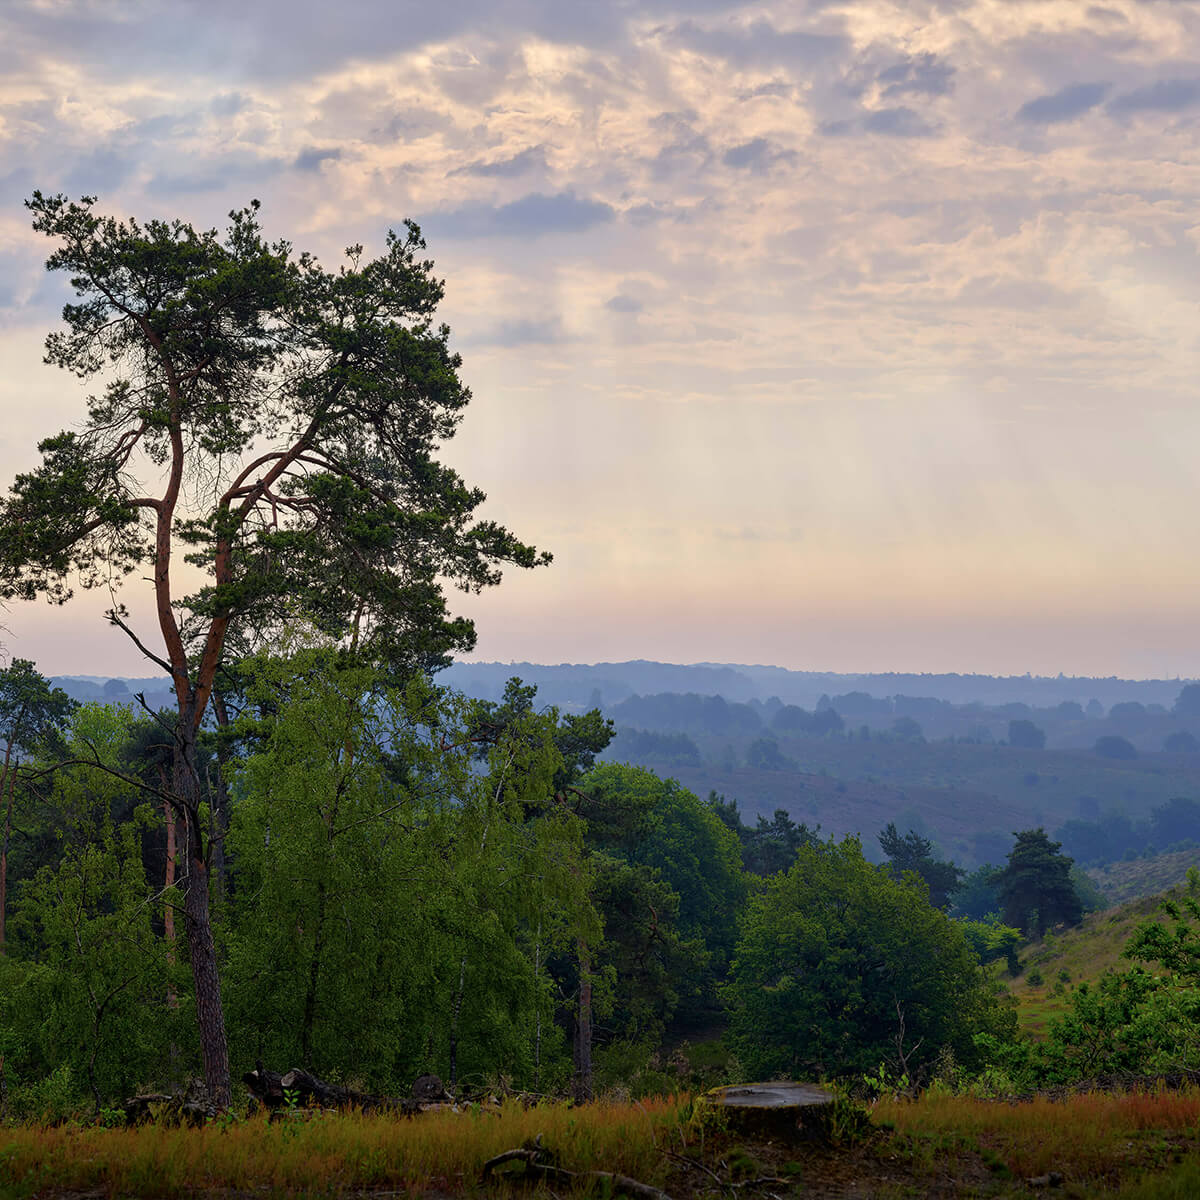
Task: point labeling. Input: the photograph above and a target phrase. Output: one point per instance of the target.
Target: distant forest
(1111, 767)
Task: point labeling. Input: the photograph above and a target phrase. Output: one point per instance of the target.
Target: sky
(841, 336)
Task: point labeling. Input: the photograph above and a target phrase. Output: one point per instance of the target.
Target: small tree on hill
(840, 967)
(1035, 887)
(1026, 735)
(1112, 746)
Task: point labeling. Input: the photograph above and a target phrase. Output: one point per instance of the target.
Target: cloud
(760, 43)
(101, 171)
(756, 155)
(922, 74)
(1063, 105)
(228, 104)
(897, 122)
(530, 216)
(311, 157)
(529, 159)
(623, 304)
(1166, 95)
(521, 332)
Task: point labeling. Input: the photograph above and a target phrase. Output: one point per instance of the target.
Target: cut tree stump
(776, 1109)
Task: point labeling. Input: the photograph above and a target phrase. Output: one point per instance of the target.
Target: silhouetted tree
(1035, 887)
(1026, 735)
(1112, 746)
(914, 853)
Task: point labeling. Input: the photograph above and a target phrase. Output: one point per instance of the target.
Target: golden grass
(330, 1155)
(1089, 1138)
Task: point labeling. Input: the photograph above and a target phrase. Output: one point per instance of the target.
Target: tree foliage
(914, 853)
(279, 426)
(841, 967)
(1035, 887)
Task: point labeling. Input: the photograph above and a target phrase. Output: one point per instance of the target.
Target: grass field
(1136, 1145)
(1056, 965)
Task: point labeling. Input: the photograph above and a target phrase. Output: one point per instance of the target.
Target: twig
(691, 1162)
(546, 1172)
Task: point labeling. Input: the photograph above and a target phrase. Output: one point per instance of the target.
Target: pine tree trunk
(219, 800)
(583, 1029)
(210, 1015)
(7, 786)
(169, 907)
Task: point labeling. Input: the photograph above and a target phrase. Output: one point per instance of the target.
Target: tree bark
(583, 1029)
(219, 799)
(7, 782)
(169, 906)
(210, 1015)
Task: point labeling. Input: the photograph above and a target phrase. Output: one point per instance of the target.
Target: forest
(318, 855)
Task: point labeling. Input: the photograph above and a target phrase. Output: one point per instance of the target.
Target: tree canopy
(276, 423)
(841, 967)
(1035, 887)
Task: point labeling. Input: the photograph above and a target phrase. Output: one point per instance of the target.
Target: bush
(1111, 746)
(841, 967)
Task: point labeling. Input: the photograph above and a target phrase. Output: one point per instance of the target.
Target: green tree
(1138, 1020)
(1035, 887)
(841, 967)
(763, 754)
(1112, 746)
(32, 715)
(312, 404)
(661, 829)
(771, 846)
(914, 853)
(397, 900)
(94, 993)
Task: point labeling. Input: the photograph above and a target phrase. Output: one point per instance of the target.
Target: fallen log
(540, 1167)
(190, 1107)
(301, 1089)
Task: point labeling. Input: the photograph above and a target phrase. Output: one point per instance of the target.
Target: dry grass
(1095, 1138)
(1142, 1145)
(438, 1152)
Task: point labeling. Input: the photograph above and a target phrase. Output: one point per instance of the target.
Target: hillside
(1126, 881)
(1056, 965)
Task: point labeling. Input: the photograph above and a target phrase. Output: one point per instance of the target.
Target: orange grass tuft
(1086, 1137)
(331, 1154)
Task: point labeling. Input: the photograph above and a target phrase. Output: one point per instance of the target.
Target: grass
(1065, 959)
(1123, 881)
(332, 1155)
(1121, 1146)
(1095, 1141)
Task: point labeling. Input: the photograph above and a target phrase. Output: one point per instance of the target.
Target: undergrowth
(333, 1154)
(1090, 1138)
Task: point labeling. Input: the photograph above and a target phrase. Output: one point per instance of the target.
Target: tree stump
(778, 1109)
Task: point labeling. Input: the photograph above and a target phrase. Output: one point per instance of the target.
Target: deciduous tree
(841, 967)
(31, 714)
